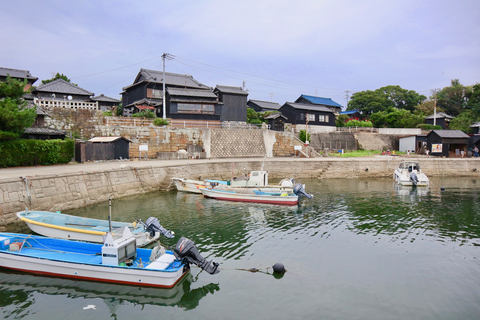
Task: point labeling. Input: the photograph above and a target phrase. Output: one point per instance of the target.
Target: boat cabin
(116, 251)
(410, 166)
(254, 179)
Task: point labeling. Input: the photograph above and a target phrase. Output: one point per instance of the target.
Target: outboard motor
(187, 252)
(414, 178)
(299, 190)
(152, 225)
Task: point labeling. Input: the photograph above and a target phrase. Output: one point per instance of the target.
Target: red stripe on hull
(59, 275)
(287, 203)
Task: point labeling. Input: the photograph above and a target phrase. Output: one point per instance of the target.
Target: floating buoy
(278, 268)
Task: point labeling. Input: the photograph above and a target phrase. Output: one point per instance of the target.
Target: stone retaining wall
(74, 190)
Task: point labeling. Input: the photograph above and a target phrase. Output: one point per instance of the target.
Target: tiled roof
(440, 115)
(17, 73)
(320, 100)
(107, 139)
(265, 104)
(477, 124)
(191, 93)
(349, 112)
(234, 90)
(145, 101)
(275, 116)
(172, 79)
(304, 106)
(104, 98)
(62, 86)
(47, 131)
(451, 134)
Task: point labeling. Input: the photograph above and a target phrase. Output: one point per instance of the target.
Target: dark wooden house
(476, 128)
(320, 101)
(308, 114)
(276, 121)
(442, 120)
(63, 94)
(447, 143)
(102, 148)
(18, 74)
(146, 91)
(233, 101)
(262, 106)
(106, 103)
(195, 104)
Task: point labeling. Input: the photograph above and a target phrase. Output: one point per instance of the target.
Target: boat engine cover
(152, 225)
(186, 251)
(299, 190)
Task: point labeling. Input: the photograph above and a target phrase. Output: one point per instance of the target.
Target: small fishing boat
(257, 195)
(116, 261)
(408, 173)
(64, 226)
(255, 179)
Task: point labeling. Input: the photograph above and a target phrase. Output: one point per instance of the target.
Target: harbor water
(360, 249)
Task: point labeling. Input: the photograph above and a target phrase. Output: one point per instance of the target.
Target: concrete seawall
(74, 186)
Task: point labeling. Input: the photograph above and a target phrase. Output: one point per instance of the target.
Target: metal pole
(164, 100)
(109, 214)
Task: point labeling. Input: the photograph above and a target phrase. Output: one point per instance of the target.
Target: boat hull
(71, 233)
(253, 198)
(404, 179)
(185, 185)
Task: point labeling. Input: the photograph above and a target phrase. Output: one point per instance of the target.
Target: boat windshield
(410, 166)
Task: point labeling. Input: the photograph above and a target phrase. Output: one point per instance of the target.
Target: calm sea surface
(361, 249)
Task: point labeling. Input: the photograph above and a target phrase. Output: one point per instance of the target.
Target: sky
(279, 49)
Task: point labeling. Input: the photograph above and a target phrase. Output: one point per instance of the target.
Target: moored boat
(64, 226)
(116, 261)
(409, 173)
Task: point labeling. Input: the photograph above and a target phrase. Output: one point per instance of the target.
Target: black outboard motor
(152, 225)
(187, 252)
(299, 190)
(414, 178)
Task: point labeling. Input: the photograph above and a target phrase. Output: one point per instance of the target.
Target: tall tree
(58, 76)
(14, 114)
(454, 98)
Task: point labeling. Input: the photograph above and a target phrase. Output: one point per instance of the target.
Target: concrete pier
(70, 186)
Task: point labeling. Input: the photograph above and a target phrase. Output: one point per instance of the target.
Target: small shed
(476, 128)
(276, 121)
(407, 144)
(447, 143)
(102, 148)
(43, 134)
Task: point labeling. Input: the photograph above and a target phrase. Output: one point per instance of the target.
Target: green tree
(385, 98)
(341, 120)
(464, 120)
(396, 118)
(14, 114)
(474, 100)
(453, 99)
(58, 76)
(254, 117)
(119, 110)
(426, 108)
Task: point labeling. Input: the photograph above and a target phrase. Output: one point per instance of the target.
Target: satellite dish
(53, 95)
(69, 98)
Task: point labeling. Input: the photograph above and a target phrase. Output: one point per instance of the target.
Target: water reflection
(20, 290)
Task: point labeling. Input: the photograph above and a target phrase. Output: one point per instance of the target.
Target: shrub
(427, 126)
(144, 114)
(359, 123)
(160, 122)
(30, 152)
(303, 135)
(107, 113)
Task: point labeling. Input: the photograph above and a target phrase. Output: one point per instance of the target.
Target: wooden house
(320, 101)
(21, 75)
(233, 101)
(195, 104)
(442, 119)
(63, 94)
(476, 128)
(106, 103)
(262, 106)
(447, 143)
(102, 148)
(303, 115)
(276, 121)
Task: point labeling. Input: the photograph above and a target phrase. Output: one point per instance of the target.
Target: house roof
(62, 86)
(45, 131)
(191, 93)
(107, 139)
(451, 134)
(275, 116)
(349, 112)
(320, 100)
(265, 104)
(311, 107)
(145, 101)
(172, 79)
(440, 115)
(233, 90)
(104, 98)
(477, 124)
(17, 73)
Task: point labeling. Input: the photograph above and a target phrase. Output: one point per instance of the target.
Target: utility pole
(347, 97)
(164, 105)
(434, 107)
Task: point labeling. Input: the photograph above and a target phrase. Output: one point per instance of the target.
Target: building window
(154, 93)
(322, 118)
(302, 116)
(196, 108)
(310, 117)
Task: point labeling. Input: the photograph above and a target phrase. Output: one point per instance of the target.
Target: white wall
(407, 143)
(400, 131)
